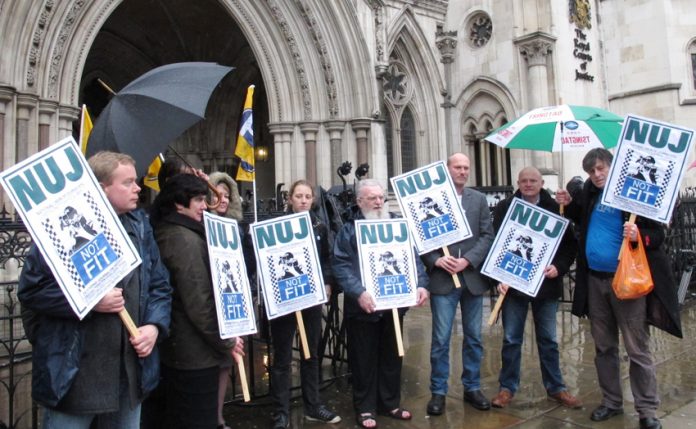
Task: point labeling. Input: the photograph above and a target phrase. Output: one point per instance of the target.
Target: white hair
(367, 183)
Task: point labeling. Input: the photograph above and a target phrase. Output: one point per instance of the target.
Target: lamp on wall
(262, 153)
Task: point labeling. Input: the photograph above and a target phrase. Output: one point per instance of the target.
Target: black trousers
(375, 364)
(282, 336)
(191, 397)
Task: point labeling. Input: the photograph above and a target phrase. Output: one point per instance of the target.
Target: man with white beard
(372, 353)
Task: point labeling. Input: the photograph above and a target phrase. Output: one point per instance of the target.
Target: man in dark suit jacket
(465, 261)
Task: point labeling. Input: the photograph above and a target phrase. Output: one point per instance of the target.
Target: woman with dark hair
(192, 354)
(300, 199)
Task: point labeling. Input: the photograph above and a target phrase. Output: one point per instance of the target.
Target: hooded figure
(234, 210)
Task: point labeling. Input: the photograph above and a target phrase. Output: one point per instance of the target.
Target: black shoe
(602, 413)
(322, 414)
(477, 400)
(436, 405)
(650, 423)
(280, 421)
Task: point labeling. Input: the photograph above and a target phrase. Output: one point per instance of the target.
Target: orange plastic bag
(633, 278)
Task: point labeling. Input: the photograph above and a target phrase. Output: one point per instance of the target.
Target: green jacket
(194, 340)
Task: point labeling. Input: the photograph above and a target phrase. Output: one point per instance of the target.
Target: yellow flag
(150, 179)
(85, 129)
(245, 141)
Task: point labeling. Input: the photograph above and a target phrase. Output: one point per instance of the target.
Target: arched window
(389, 133)
(490, 163)
(692, 59)
(401, 143)
(408, 141)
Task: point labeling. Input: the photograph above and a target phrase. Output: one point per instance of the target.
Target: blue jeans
(125, 418)
(514, 317)
(444, 308)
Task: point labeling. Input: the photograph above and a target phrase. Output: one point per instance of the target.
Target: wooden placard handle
(496, 310)
(126, 319)
(303, 334)
(397, 332)
(243, 378)
(455, 277)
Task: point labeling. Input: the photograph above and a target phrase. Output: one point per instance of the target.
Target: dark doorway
(143, 34)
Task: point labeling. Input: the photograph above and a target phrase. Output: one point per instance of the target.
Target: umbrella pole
(107, 87)
(212, 188)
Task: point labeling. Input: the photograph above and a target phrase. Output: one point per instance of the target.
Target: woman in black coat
(300, 199)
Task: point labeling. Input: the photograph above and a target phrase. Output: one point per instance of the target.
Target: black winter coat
(662, 303)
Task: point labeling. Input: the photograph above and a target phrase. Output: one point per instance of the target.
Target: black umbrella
(156, 108)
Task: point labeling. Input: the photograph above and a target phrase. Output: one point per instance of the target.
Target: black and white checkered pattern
(669, 171)
(539, 253)
(447, 206)
(664, 179)
(63, 253)
(273, 272)
(222, 282)
(101, 224)
(402, 261)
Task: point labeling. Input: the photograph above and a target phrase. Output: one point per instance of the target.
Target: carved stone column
(282, 140)
(66, 116)
(361, 128)
(46, 111)
(6, 95)
(535, 48)
(309, 131)
(26, 103)
(335, 130)
(446, 42)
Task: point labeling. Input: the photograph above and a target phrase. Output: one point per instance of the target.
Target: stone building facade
(394, 83)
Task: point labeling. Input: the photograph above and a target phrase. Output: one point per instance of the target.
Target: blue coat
(56, 333)
(346, 271)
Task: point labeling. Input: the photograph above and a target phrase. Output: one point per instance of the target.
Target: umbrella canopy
(154, 109)
(560, 128)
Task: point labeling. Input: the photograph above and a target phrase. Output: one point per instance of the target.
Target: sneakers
(566, 399)
(322, 414)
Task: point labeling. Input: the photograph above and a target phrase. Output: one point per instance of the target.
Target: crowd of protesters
(91, 373)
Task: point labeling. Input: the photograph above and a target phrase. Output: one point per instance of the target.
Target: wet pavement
(530, 408)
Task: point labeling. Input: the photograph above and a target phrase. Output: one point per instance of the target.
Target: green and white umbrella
(559, 129)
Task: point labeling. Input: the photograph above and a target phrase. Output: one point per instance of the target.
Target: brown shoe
(566, 399)
(502, 399)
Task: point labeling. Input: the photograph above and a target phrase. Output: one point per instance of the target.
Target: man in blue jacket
(89, 370)
(372, 354)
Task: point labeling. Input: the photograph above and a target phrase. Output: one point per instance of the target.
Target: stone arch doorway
(142, 34)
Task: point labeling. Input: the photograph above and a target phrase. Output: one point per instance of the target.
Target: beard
(374, 214)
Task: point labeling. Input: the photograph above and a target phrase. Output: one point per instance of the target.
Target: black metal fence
(16, 408)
